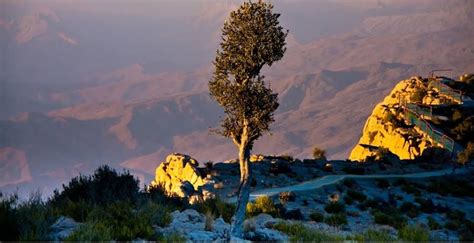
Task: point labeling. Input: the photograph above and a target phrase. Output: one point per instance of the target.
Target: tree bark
(244, 188)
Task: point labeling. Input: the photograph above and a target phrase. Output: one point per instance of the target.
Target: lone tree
(251, 38)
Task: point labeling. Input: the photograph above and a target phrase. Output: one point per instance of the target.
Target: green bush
(287, 197)
(413, 233)
(317, 216)
(373, 236)
(8, 220)
(300, 233)
(433, 224)
(92, 231)
(217, 207)
(319, 154)
(262, 204)
(356, 195)
(156, 214)
(338, 219)
(33, 218)
(390, 217)
(409, 209)
(335, 207)
(103, 187)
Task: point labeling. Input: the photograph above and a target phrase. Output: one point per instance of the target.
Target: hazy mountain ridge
(134, 115)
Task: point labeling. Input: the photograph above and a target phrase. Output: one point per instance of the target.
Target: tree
(251, 38)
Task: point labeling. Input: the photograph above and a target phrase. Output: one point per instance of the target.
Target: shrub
(335, 207)
(356, 195)
(338, 219)
(103, 187)
(8, 220)
(317, 216)
(156, 214)
(413, 233)
(294, 214)
(287, 197)
(373, 235)
(319, 154)
(409, 209)
(433, 224)
(287, 157)
(390, 217)
(348, 200)
(300, 233)
(350, 183)
(116, 221)
(217, 207)
(262, 204)
(33, 218)
(383, 183)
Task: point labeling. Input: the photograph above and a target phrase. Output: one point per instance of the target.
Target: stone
(190, 224)
(179, 175)
(259, 229)
(62, 228)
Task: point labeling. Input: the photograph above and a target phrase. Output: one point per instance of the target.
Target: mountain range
(86, 85)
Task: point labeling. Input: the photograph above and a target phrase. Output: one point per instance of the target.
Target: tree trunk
(244, 188)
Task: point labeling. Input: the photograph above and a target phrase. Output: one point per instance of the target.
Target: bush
(338, 219)
(300, 233)
(433, 224)
(294, 214)
(466, 155)
(383, 183)
(335, 207)
(103, 187)
(319, 154)
(373, 235)
(356, 195)
(413, 233)
(8, 221)
(391, 217)
(262, 204)
(33, 218)
(287, 197)
(317, 216)
(409, 209)
(350, 183)
(217, 207)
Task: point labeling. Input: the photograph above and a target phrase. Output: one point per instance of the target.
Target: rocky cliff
(388, 128)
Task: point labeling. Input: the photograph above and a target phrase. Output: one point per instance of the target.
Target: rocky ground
(441, 206)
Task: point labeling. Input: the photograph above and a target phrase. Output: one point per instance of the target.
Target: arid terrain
(83, 86)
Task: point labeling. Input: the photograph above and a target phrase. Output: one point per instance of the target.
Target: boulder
(190, 224)
(179, 175)
(63, 228)
(260, 229)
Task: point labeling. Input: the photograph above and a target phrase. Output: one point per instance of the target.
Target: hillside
(122, 108)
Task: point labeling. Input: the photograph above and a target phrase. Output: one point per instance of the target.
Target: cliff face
(387, 128)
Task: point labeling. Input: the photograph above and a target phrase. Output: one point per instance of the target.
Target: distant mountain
(122, 110)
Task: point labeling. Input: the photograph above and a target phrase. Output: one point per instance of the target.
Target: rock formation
(179, 176)
(386, 130)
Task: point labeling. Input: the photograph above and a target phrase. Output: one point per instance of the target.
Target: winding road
(333, 179)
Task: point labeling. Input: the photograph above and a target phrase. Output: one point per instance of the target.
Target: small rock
(63, 228)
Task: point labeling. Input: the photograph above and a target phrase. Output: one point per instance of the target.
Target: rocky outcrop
(63, 228)
(386, 131)
(179, 176)
(191, 225)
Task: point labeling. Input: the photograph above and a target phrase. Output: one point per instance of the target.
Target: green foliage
(335, 207)
(171, 238)
(464, 130)
(390, 216)
(263, 204)
(410, 209)
(217, 207)
(319, 153)
(251, 38)
(8, 220)
(103, 187)
(317, 216)
(433, 224)
(337, 219)
(300, 233)
(92, 231)
(34, 218)
(356, 195)
(458, 187)
(413, 233)
(373, 236)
